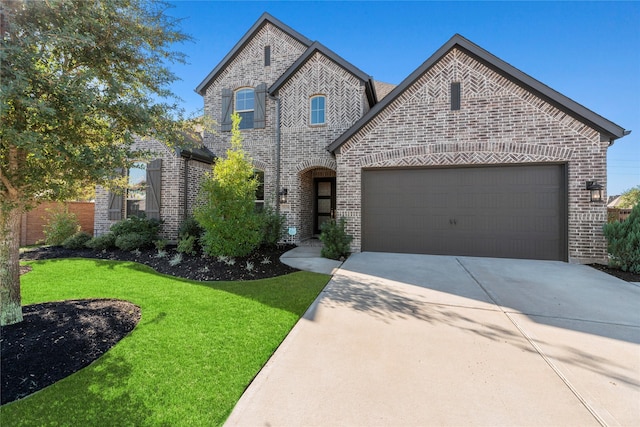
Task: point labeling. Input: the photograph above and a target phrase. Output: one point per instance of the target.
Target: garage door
(505, 212)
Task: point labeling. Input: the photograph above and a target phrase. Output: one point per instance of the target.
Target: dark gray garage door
(506, 212)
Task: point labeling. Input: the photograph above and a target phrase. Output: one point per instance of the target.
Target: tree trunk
(10, 302)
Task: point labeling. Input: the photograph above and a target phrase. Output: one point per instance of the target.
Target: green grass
(197, 346)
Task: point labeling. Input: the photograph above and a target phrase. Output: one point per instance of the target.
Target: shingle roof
(604, 126)
(383, 89)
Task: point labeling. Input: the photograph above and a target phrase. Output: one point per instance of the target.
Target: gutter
(277, 100)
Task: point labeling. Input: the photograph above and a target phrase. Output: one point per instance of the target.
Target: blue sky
(588, 51)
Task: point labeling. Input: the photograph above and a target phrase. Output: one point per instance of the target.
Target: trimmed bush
(103, 242)
(272, 226)
(336, 240)
(624, 242)
(131, 241)
(77, 241)
(187, 245)
(190, 227)
(61, 225)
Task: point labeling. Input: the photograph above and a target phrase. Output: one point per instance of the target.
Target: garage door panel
(513, 211)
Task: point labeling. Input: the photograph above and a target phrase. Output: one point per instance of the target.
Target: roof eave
(263, 20)
(597, 122)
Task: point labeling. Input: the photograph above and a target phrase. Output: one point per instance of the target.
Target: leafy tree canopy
(630, 198)
(78, 80)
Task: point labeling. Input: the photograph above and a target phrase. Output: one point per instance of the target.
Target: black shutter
(115, 202)
(455, 96)
(225, 121)
(154, 188)
(260, 106)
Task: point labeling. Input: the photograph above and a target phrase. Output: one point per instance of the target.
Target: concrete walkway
(418, 340)
(308, 258)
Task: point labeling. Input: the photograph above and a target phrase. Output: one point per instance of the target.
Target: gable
(285, 45)
(319, 75)
(481, 75)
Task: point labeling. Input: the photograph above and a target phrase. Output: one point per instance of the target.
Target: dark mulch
(59, 338)
(262, 264)
(624, 275)
(56, 339)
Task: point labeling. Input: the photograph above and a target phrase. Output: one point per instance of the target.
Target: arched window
(318, 110)
(244, 106)
(137, 190)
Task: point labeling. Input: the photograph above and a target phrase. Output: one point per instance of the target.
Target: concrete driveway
(418, 340)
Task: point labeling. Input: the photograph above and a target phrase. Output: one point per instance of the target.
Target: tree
(78, 80)
(227, 212)
(630, 198)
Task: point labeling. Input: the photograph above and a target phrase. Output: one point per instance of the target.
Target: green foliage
(227, 212)
(160, 244)
(61, 224)
(102, 242)
(336, 240)
(146, 228)
(190, 227)
(630, 198)
(187, 245)
(272, 226)
(624, 242)
(77, 241)
(131, 241)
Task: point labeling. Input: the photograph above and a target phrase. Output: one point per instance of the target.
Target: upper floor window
(318, 110)
(244, 106)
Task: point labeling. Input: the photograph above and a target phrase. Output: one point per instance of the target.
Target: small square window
(318, 110)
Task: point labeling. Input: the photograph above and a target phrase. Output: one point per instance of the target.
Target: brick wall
(33, 222)
(498, 123)
(303, 147)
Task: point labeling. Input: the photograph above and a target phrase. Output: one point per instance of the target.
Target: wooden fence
(617, 214)
(33, 222)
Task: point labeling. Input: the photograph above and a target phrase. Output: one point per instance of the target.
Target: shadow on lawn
(98, 395)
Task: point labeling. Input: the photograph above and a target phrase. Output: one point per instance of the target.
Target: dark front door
(325, 202)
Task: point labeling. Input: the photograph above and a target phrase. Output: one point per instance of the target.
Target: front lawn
(197, 347)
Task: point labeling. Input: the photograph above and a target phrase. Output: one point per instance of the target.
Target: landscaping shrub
(190, 227)
(103, 242)
(61, 224)
(187, 245)
(272, 226)
(335, 238)
(77, 241)
(624, 242)
(132, 241)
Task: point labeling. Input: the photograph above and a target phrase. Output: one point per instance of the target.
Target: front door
(325, 202)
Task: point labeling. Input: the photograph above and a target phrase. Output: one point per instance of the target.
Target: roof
(261, 22)
(319, 47)
(597, 122)
(201, 154)
(383, 89)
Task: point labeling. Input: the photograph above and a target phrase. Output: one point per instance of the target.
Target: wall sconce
(595, 191)
(283, 195)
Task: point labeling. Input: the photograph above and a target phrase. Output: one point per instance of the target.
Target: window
(259, 175)
(244, 106)
(317, 110)
(455, 96)
(137, 190)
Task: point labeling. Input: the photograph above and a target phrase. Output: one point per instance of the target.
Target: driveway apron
(415, 340)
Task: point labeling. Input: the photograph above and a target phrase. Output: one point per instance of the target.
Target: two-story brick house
(467, 156)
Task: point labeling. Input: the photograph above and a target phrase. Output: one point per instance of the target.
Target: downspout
(277, 100)
(186, 188)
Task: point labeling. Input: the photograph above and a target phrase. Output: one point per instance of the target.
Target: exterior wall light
(283, 195)
(595, 191)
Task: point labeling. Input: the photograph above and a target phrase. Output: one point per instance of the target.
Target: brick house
(467, 156)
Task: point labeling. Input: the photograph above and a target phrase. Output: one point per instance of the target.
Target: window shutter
(115, 202)
(225, 121)
(260, 106)
(154, 187)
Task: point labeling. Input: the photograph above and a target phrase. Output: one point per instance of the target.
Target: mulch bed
(624, 275)
(56, 339)
(59, 338)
